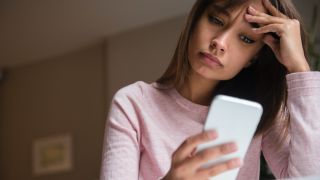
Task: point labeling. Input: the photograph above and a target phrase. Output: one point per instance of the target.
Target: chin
(209, 74)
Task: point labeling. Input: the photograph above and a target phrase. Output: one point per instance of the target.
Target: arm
(299, 154)
(120, 158)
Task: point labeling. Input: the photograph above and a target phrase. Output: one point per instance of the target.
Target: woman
(252, 49)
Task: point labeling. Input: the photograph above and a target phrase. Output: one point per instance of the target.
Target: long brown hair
(263, 81)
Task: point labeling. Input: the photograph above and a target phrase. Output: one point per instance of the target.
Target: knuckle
(262, 19)
(234, 163)
(188, 141)
(217, 170)
(174, 156)
(268, 18)
(185, 143)
(205, 136)
(220, 150)
(296, 22)
(203, 155)
(198, 138)
(225, 148)
(213, 171)
(207, 154)
(231, 164)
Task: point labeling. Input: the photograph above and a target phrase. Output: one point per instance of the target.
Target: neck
(198, 89)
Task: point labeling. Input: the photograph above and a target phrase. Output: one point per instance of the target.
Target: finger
(189, 145)
(272, 43)
(255, 12)
(272, 9)
(209, 154)
(263, 19)
(271, 28)
(269, 40)
(220, 168)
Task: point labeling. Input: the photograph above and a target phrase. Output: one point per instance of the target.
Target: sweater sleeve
(121, 154)
(299, 154)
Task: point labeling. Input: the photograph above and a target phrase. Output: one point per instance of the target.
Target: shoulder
(142, 93)
(141, 88)
(137, 90)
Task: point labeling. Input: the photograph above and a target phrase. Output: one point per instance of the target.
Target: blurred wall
(141, 54)
(71, 94)
(65, 94)
(305, 8)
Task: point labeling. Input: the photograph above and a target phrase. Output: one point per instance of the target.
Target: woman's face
(223, 43)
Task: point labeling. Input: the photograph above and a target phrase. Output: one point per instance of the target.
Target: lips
(211, 58)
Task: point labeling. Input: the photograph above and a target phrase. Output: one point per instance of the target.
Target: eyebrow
(223, 11)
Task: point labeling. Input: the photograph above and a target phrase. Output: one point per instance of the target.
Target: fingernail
(251, 8)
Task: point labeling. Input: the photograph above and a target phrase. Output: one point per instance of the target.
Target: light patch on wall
(52, 155)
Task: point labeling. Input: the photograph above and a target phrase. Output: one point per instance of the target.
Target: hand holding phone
(185, 162)
(235, 120)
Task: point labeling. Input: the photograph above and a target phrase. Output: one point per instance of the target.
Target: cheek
(202, 36)
(243, 54)
(194, 46)
(194, 43)
(240, 58)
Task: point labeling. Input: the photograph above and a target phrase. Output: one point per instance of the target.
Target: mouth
(211, 59)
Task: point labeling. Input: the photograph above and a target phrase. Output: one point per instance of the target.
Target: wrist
(301, 68)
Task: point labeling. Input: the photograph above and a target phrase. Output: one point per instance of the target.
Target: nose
(219, 42)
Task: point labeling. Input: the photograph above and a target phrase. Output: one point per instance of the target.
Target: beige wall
(62, 95)
(141, 54)
(71, 94)
(305, 8)
(2, 128)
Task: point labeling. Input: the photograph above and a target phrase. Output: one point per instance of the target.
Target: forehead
(234, 7)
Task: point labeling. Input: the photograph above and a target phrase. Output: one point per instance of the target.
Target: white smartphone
(235, 120)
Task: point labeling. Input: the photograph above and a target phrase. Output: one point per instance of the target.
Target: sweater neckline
(182, 101)
(186, 103)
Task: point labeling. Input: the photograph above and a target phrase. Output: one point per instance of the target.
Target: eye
(246, 39)
(215, 20)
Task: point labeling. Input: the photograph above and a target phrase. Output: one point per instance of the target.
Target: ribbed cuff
(303, 83)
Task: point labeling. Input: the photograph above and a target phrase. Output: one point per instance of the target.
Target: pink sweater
(147, 123)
